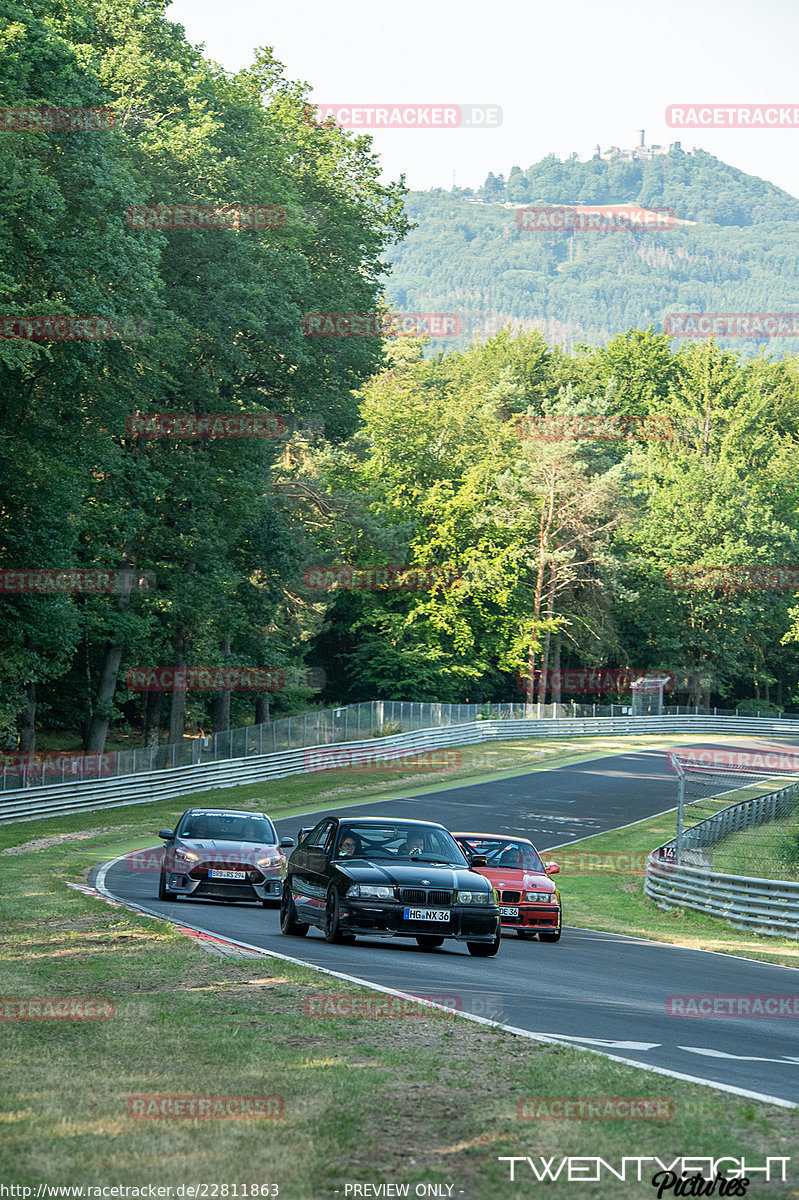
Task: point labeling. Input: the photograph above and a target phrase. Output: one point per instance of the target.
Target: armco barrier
(769, 906)
(27, 803)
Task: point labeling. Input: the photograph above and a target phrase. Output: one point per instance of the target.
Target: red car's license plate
(508, 912)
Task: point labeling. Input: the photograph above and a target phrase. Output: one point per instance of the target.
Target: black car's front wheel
(288, 914)
(485, 949)
(333, 932)
(428, 942)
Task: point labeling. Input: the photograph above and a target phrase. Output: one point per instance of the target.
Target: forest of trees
(468, 255)
(542, 550)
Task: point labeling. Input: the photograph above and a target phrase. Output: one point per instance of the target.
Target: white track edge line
(546, 1038)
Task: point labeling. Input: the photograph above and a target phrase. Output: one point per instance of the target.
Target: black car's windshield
(394, 841)
(229, 827)
(507, 853)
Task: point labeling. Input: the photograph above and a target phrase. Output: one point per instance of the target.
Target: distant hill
(734, 248)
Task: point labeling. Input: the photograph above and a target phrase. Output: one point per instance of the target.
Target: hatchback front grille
(511, 897)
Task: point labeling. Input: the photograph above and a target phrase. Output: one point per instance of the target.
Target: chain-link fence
(724, 825)
(353, 722)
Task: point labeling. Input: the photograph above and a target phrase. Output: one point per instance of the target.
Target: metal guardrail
(769, 906)
(320, 727)
(29, 803)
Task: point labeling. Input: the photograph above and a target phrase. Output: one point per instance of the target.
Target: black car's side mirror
(317, 859)
(166, 834)
(478, 860)
(286, 842)
(301, 834)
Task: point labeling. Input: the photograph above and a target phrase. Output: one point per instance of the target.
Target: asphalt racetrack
(598, 990)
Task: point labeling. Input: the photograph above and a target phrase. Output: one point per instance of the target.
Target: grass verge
(367, 1100)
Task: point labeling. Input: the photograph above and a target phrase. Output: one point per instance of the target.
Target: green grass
(367, 1100)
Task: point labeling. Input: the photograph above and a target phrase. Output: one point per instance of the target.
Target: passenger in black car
(348, 847)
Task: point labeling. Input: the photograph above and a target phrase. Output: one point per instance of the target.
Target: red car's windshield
(507, 853)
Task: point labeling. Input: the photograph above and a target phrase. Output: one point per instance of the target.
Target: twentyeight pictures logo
(411, 116)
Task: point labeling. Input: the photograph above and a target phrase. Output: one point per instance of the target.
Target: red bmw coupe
(529, 901)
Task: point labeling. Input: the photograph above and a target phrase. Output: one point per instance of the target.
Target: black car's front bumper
(471, 923)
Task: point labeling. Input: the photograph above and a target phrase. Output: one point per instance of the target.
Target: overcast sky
(566, 73)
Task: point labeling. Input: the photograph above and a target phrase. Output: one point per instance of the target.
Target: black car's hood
(409, 874)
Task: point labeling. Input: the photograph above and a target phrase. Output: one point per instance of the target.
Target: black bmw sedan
(401, 878)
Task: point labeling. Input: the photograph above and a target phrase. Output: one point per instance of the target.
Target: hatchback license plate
(427, 914)
(509, 912)
(227, 874)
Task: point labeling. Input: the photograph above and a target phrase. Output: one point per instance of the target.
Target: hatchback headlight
(369, 891)
(271, 860)
(187, 856)
(474, 897)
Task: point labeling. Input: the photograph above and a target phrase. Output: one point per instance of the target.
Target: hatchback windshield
(228, 827)
(507, 853)
(422, 843)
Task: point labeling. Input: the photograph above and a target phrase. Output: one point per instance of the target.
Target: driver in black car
(414, 845)
(348, 846)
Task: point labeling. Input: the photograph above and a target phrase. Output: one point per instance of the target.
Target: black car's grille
(420, 896)
(511, 897)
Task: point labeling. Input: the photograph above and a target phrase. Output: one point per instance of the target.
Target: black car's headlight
(369, 891)
(475, 897)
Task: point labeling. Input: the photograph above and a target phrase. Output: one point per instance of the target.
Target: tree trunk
(94, 741)
(556, 680)
(542, 686)
(261, 710)
(152, 718)
(27, 721)
(220, 706)
(547, 509)
(177, 713)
